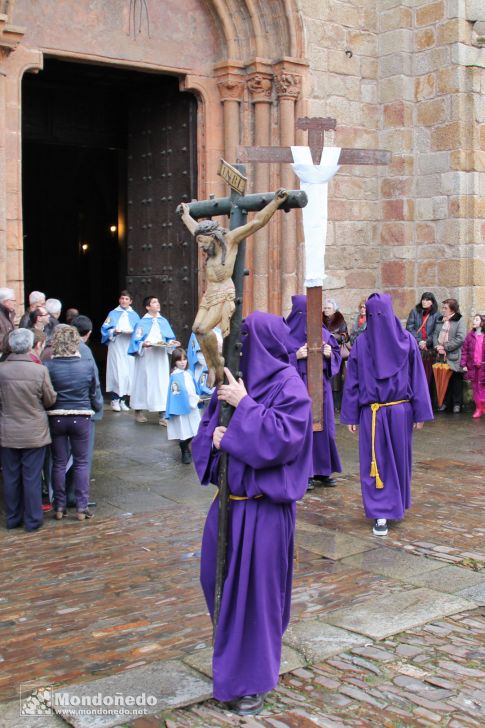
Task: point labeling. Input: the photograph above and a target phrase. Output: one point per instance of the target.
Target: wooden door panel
(161, 257)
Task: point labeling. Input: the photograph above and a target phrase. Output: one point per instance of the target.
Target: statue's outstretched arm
(189, 222)
(261, 218)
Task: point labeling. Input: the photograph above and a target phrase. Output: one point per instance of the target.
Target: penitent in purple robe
(269, 444)
(326, 459)
(385, 365)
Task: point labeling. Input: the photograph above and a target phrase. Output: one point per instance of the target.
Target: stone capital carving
(10, 35)
(288, 85)
(230, 89)
(260, 86)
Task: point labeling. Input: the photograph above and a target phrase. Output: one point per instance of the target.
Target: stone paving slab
(10, 718)
(449, 579)
(156, 687)
(385, 616)
(201, 660)
(428, 676)
(328, 543)
(393, 563)
(318, 640)
(475, 593)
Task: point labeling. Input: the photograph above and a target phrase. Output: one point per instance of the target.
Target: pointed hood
(388, 343)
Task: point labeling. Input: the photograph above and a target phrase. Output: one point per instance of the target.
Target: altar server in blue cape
(182, 413)
(386, 394)
(269, 441)
(326, 459)
(198, 365)
(116, 333)
(151, 342)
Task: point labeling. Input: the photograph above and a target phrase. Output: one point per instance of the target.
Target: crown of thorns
(209, 227)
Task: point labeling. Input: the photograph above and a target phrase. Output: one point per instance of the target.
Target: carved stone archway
(250, 94)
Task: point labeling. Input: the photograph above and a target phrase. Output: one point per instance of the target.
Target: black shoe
(247, 705)
(186, 454)
(311, 484)
(326, 480)
(456, 409)
(443, 408)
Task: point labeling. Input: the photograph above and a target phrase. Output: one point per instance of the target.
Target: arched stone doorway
(107, 153)
(242, 59)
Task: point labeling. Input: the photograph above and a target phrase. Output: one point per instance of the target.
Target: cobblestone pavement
(402, 616)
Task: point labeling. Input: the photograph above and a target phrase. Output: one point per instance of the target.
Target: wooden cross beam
(316, 128)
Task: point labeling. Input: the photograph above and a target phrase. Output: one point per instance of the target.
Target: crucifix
(221, 304)
(316, 128)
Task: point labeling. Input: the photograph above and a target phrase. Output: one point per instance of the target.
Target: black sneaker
(248, 705)
(380, 527)
(326, 480)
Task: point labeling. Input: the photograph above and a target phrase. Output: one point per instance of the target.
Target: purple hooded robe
(385, 365)
(326, 459)
(269, 444)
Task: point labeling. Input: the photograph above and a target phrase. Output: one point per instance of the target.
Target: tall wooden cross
(237, 207)
(316, 128)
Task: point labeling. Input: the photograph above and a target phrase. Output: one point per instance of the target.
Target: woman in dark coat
(360, 323)
(335, 323)
(78, 398)
(421, 324)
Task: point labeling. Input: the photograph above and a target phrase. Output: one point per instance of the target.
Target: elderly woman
(74, 379)
(25, 391)
(360, 322)
(7, 315)
(335, 323)
(448, 337)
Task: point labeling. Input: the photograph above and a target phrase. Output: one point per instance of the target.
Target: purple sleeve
(421, 402)
(350, 410)
(264, 437)
(332, 365)
(202, 450)
(467, 350)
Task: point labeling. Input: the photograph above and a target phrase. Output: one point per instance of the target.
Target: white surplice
(152, 373)
(120, 366)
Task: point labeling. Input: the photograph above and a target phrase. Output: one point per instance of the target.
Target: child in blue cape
(182, 412)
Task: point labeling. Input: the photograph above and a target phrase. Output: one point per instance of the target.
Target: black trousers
(454, 393)
(22, 486)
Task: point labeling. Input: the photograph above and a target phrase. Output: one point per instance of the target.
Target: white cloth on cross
(314, 181)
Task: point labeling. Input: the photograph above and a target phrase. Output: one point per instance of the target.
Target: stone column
(288, 87)
(231, 89)
(260, 87)
(14, 61)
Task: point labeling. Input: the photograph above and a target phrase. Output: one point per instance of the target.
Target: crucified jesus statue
(217, 305)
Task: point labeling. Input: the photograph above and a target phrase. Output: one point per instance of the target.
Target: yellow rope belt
(239, 497)
(375, 407)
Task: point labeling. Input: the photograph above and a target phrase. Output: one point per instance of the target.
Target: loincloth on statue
(221, 293)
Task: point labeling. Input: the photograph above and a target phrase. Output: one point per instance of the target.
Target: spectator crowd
(51, 395)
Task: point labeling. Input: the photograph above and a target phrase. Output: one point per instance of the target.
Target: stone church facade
(403, 76)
